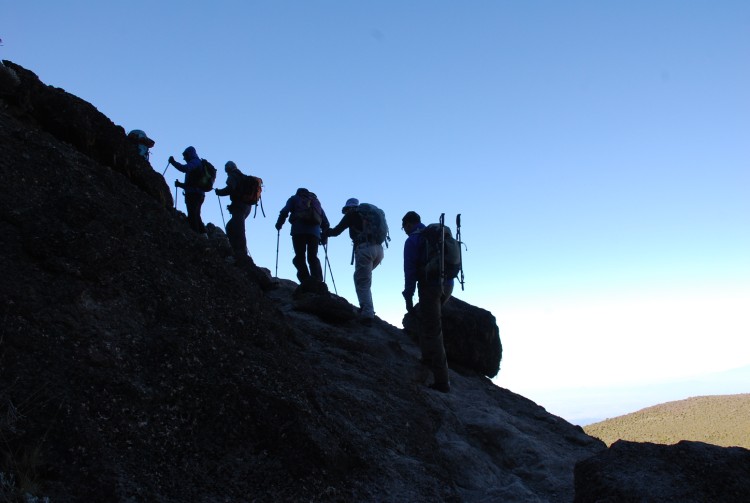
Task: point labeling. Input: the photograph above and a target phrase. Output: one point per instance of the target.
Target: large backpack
(203, 177)
(307, 209)
(249, 189)
(374, 226)
(435, 256)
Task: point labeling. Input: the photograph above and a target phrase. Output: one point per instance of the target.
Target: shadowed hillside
(138, 363)
(720, 420)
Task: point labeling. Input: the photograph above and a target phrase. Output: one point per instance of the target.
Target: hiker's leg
(193, 202)
(236, 228)
(200, 199)
(232, 229)
(316, 271)
(431, 335)
(245, 212)
(299, 243)
(363, 264)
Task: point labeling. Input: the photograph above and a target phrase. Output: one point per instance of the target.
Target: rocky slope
(138, 364)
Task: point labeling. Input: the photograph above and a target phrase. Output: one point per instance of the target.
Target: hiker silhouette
(309, 222)
(194, 196)
(433, 292)
(367, 252)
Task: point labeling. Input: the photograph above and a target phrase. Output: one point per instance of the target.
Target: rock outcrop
(138, 363)
(688, 472)
(470, 335)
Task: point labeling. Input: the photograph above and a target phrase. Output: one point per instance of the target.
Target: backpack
(431, 251)
(202, 178)
(306, 209)
(374, 226)
(249, 189)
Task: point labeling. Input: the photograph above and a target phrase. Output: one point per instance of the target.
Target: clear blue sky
(599, 152)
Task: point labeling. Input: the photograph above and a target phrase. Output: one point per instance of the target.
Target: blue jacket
(299, 227)
(192, 162)
(413, 262)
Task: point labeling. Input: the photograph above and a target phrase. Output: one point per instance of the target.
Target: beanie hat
(190, 152)
(230, 166)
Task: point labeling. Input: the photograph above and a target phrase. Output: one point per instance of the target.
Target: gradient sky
(598, 153)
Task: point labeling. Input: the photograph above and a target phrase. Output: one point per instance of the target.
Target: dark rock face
(470, 335)
(138, 363)
(685, 472)
(77, 122)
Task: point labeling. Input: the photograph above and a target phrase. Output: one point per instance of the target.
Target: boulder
(470, 335)
(685, 472)
(313, 297)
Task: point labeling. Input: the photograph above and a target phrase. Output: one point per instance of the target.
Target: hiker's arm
(177, 165)
(341, 227)
(283, 214)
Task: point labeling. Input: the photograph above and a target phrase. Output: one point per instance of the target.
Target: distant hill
(722, 420)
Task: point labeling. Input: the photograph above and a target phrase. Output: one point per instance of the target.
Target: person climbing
(368, 230)
(142, 142)
(238, 209)
(194, 196)
(433, 292)
(308, 221)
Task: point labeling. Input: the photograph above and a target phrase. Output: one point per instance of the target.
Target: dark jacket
(192, 162)
(352, 220)
(300, 227)
(414, 262)
(233, 181)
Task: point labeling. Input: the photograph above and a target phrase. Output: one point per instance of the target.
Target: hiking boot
(442, 387)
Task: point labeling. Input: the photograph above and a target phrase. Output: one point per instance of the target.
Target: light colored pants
(367, 256)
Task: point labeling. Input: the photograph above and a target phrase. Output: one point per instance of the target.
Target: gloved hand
(216, 191)
(179, 184)
(171, 160)
(323, 239)
(409, 301)
(279, 225)
(325, 233)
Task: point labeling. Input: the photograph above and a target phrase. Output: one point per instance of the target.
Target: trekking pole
(278, 235)
(460, 245)
(222, 211)
(165, 169)
(325, 251)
